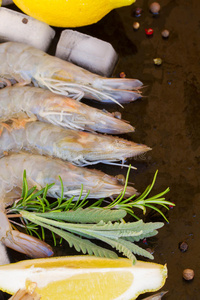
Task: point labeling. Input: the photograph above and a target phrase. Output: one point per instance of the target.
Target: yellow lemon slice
(69, 13)
(83, 278)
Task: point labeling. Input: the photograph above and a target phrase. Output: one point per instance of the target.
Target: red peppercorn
(145, 242)
(171, 206)
(122, 75)
(149, 31)
(138, 12)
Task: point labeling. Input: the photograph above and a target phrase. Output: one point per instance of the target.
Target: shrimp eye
(121, 179)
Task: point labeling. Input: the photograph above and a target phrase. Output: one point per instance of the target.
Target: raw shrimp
(27, 64)
(42, 170)
(79, 147)
(32, 102)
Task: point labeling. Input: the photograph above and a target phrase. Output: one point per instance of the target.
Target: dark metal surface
(166, 119)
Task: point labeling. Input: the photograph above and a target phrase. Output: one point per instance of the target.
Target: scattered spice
(149, 31)
(138, 12)
(122, 75)
(165, 33)
(145, 241)
(171, 206)
(183, 246)
(151, 251)
(154, 8)
(25, 20)
(136, 25)
(157, 61)
(188, 274)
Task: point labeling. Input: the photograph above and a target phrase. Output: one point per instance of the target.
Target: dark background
(166, 119)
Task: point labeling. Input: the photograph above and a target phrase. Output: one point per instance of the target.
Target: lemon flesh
(83, 278)
(69, 13)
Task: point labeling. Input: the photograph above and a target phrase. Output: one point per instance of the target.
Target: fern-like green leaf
(134, 226)
(118, 234)
(123, 246)
(86, 215)
(141, 237)
(118, 246)
(135, 249)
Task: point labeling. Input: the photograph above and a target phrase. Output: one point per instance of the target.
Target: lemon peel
(79, 277)
(71, 13)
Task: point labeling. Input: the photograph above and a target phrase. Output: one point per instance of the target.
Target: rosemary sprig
(75, 223)
(142, 201)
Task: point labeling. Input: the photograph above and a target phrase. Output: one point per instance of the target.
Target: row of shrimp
(47, 131)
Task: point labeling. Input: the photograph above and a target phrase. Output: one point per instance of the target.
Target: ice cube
(7, 2)
(18, 27)
(86, 51)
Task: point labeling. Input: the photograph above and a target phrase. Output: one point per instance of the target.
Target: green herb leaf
(86, 215)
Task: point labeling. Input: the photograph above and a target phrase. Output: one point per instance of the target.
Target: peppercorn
(165, 33)
(138, 12)
(188, 274)
(154, 8)
(136, 25)
(122, 75)
(157, 61)
(149, 31)
(183, 246)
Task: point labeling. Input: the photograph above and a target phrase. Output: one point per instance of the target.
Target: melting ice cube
(86, 51)
(18, 27)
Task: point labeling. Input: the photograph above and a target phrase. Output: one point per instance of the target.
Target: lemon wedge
(83, 277)
(70, 13)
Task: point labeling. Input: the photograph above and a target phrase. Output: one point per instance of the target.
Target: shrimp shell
(42, 170)
(78, 147)
(25, 63)
(58, 110)
(4, 259)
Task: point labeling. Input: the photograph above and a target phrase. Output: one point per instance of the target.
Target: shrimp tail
(27, 244)
(22, 242)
